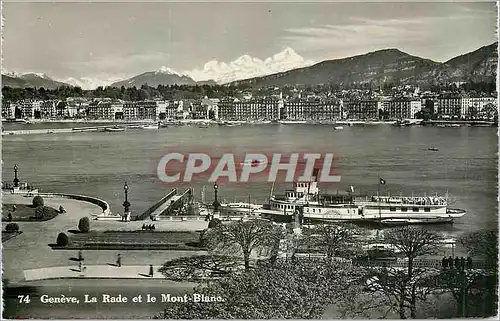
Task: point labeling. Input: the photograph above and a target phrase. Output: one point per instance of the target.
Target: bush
(12, 227)
(62, 239)
(84, 225)
(38, 201)
(214, 223)
(41, 211)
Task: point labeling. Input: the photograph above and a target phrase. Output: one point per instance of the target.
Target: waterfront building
(478, 107)
(254, 109)
(147, 110)
(361, 109)
(226, 109)
(211, 105)
(312, 109)
(170, 110)
(161, 109)
(449, 106)
(403, 108)
(47, 109)
(77, 106)
(199, 110)
(8, 110)
(28, 107)
(104, 109)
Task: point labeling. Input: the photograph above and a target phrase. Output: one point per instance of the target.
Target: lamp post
(216, 203)
(16, 180)
(126, 204)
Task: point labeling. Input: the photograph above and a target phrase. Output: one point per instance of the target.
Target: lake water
(98, 163)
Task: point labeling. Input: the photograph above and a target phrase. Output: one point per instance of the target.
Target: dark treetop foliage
(12, 227)
(62, 239)
(38, 201)
(84, 225)
(297, 291)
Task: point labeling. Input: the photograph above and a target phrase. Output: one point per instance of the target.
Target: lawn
(8, 235)
(24, 212)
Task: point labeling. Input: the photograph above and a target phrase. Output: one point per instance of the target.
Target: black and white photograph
(249, 159)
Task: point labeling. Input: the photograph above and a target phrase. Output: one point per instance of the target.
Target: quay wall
(94, 200)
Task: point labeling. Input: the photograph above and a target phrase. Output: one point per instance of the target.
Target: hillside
(31, 80)
(154, 78)
(388, 66)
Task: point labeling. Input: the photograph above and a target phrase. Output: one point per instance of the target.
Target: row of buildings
(271, 108)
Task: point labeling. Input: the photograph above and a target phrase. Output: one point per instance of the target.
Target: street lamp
(16, 180)
(126, 204)
(216, 203)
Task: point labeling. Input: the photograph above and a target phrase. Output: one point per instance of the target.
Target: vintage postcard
(249, 160)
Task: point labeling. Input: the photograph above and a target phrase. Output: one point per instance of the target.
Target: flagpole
(379, 208)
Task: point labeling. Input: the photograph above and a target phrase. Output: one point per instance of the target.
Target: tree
(408, 287)
(12, 227)
(286, 291)
(333, 239)
(242, 237)
(84, 225)
(483, 244)
(62, 239)
(199, 267)
(38, 201)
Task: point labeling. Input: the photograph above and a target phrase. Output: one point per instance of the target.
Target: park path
(31, 250)
(107, 271)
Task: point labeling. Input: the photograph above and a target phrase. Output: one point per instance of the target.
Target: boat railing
(426, 200)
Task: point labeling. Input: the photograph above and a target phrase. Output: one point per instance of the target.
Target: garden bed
(26, 213)
(134, 240)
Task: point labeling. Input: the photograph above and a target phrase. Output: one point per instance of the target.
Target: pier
(171, 203)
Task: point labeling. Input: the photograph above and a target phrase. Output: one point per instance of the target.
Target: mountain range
(389, 66)
(289, 68)
(30, 80)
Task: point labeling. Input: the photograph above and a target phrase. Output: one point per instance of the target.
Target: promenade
(109, 271)
(30, 250)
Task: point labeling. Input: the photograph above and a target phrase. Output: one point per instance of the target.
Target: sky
(111, 40)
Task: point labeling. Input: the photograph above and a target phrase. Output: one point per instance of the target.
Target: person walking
(80, 266)
(469, 263)
(80, 255)
(450, 262)
(462, 263)
(119, 260)
(151, 270)
(444, 262)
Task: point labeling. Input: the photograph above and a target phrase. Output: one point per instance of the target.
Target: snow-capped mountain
(90, 83)
(162, 76)
(30, 79)
(248, 67)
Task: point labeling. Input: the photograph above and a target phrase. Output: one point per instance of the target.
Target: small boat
(252, 163)
(411, 221)
(150, 127)
(114, 129)
(338, 127)
(434, 149)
